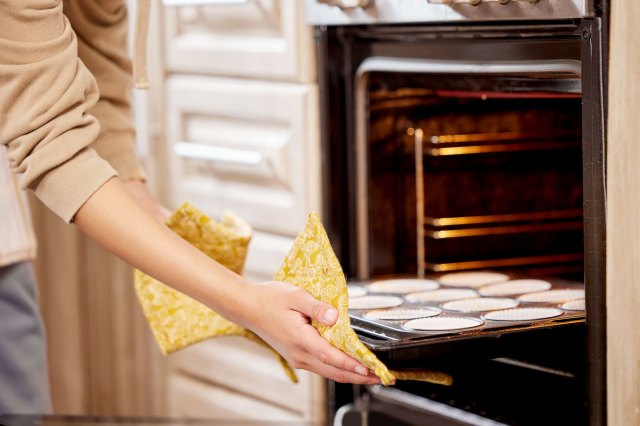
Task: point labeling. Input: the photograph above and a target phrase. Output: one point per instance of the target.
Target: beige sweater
(65, 117)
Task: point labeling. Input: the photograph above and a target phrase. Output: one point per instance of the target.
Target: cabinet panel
(244, 38)
(195, 399)
(266, 254)
(247, 368)
(246, 146)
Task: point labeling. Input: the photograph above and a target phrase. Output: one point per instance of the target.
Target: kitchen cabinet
(266, 251)
(247, 369)
(263, 39)
(623, 208)
(191, 398)
(249, 146)
(242, 134)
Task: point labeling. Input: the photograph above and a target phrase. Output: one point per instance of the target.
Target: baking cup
(402, 313)
(356, 291)
(472, 279)
(574, 305)
(442, 323)
(480, 304)
(514, 287)
(442, 295)
(523, 314)
(553, 296)
(374, 302)
(402, 286)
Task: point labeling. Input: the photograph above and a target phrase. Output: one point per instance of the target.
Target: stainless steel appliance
(350, 12)
(465, 136)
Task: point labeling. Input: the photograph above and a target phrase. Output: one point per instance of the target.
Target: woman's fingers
(339, 375)
(330, 359)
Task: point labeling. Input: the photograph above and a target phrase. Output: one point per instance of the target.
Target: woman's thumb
(321, 312)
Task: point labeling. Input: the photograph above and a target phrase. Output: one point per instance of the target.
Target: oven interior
(475, 172)
(482, 172)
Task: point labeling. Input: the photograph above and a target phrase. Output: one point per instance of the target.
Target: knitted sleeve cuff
(67, 187)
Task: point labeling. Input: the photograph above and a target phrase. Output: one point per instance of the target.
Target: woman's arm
(277, 312)
(47, 129)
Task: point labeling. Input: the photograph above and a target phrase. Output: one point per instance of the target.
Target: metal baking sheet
(391, 339)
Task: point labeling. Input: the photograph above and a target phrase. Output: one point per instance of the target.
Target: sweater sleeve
(45, 96)
(101, 27)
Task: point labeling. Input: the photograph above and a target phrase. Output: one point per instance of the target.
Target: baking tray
(396, 345)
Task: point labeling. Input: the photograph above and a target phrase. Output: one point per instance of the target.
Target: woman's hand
(280, 314)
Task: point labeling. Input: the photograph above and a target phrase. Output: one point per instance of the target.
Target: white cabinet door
(249, 369)
(265, 256)
(246, 146)
(195, 399)
(246, 38)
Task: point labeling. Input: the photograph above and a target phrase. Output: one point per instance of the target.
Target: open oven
(474, 145)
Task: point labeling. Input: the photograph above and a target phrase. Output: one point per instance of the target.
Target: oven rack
(493, 343)
(485, 143)
(393, 331)
(544, 265)
(516, 223)
(442, 232)
(392, 342)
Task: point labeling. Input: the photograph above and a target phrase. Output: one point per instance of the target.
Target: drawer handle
(202, 2)
(217, 154)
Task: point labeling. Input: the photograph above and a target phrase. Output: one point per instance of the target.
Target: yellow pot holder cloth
(178, 321)
(312, 265)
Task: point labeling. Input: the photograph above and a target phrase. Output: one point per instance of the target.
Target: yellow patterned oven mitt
(312, 265)
(178, 321)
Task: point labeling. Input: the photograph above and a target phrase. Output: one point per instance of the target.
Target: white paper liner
(514, 287)
(356, 291)
(480, 304)
(402, 286)
(553, 296)
(442, 323)
(442, 295)
(472, 279)
(523, 314)
(374, 302)
(402, 313)
(574, 305)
